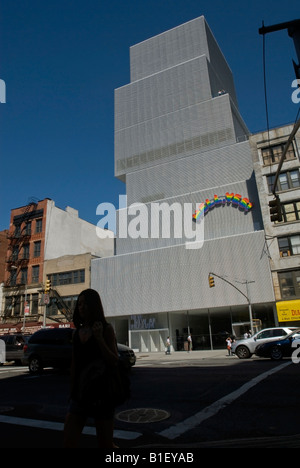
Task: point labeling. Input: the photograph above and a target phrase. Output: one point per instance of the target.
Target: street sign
(26, 308)
(45, 299)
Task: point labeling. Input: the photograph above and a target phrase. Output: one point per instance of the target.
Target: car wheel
(243, 352)
(276, 353)
(35, 365)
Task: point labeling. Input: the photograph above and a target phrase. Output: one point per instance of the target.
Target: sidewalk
(182, 355)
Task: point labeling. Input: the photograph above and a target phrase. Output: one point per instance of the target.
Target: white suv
(245, 348)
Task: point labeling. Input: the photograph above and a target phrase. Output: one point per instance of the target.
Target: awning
(30, 327)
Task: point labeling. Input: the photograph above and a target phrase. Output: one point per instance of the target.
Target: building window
(37, 249)
(13, 277)
(17, 232)
(67, 277)
(289, 245)
(272, 154)
(289, 282)
(35, 273)
(38, 225)
(69, 301)
(8, 306)
(26, 251)
(290, 212)
(27, 230)
(35, 304)
(17, 305)
(286, 180)
(24, 273)
(78, 276)
(15, 253)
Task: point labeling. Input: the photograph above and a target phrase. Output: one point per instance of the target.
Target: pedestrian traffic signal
(211, 281)
(275, 210)
(47, 286)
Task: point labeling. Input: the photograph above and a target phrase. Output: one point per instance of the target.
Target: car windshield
(295, 333)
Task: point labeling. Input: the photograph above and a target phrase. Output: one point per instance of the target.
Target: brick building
(3, 250)
(41, 232)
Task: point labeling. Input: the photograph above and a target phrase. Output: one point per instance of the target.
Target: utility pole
(293, 28)
(210, 279)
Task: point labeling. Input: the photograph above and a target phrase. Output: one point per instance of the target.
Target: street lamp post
(26, 308)
(25, 305)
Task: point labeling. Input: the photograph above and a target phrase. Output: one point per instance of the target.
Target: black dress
(89, 377)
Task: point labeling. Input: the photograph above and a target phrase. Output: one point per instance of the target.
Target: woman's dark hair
(94, 304)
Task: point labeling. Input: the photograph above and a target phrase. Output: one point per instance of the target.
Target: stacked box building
(181, 146)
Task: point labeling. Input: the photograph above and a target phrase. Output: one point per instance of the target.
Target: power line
(265, 84)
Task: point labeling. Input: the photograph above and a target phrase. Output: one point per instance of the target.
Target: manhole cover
(143, 415)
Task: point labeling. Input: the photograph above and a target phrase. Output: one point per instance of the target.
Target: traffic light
(211, 281)
(47, 286)
(275, 210)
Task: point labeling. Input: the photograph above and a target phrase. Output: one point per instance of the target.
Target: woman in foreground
(94, 344)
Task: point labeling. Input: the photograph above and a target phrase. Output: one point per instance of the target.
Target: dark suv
(14, 347)
(52, 347)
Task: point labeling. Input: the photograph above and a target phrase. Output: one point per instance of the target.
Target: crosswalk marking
(194, 421)
(57, 426)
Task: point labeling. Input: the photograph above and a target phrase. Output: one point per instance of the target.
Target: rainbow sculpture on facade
(230, 198)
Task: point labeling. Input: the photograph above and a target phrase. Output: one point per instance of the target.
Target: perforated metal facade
(166, 111)
(179, 138)
(176, 279)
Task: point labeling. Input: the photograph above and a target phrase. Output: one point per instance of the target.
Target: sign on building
(288, 311)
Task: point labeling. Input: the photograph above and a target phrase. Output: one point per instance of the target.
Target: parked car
(52, 347)
(14, 347)
(246, 347)
(278, 349)
(126, 355)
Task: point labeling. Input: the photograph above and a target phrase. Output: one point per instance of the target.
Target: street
(201, 399)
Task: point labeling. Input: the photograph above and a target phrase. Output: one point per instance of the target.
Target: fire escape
(55, 298)
(17, 261)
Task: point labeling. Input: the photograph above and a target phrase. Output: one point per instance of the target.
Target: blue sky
(62, 60)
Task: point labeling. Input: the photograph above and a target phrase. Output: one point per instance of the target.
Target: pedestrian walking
(228, 345)
(189, 339)
(168, 346)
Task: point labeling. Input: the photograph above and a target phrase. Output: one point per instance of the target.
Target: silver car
(245, 348)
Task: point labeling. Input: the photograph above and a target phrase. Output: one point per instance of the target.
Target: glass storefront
(208, 328)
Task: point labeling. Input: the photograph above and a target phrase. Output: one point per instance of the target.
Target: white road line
(56, 426)
(189, 423)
